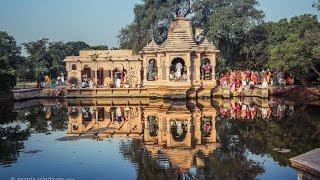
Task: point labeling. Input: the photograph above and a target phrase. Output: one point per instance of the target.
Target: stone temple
(179, 67)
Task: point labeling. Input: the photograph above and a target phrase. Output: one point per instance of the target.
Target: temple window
(100, 78)
(87, 113)
(206, 69)
(100, 113)
(178, 70)
(120, 78)
(153, 126)
(75, 127)
(74, 67)
(206, 126)
(178, 130)
(152, 74)
(73, 112)
(86, 77)
(121, 113)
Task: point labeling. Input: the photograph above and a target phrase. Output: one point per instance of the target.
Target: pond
(246, 138)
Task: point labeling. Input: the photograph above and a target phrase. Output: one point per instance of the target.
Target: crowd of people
(237, 79)
(47, 82)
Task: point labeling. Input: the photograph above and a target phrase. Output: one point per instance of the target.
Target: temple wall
(106, 53)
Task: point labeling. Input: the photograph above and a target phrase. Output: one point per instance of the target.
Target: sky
(97, 22)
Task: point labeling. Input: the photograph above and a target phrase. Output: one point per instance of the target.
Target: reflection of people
(206, 70)
(118, 79)
(62, 79)
(118, 114)
(86, 113)
(206, 127)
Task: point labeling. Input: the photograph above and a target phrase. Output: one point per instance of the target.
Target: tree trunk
(302, 80)
(315, 70)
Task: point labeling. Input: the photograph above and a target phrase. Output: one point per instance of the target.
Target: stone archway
(100, 77)
(206, 126)
(86, 71)
(85, 76)
(74, 67)
(153, 126)
(179, 130)
(178, 70)
(206, 69)
(152, 73)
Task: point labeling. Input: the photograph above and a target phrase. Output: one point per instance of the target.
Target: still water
(155, 139)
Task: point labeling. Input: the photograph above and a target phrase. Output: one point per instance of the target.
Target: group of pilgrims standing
(238, 79)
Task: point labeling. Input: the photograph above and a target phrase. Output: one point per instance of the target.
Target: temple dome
(151, 46)
(180, 36)
(206, 45)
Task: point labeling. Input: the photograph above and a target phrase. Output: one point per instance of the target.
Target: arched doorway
(206, 126)
(152, 74)
(86, 71)
(178, 70)
(87, 113)
(100, 77)
(178, 130)
(206, 69)
(74, 67)
(120, 78)
(153, 126)
(86, 76)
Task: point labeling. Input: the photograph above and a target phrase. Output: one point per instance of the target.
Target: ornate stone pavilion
(179, 66)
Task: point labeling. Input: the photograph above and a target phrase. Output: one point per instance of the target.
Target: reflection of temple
(174, 66)
(178, 134)
(177, 131)
(105, 121)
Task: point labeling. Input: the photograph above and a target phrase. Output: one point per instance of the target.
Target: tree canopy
(46, 58)
(224, 21)
(10, 60)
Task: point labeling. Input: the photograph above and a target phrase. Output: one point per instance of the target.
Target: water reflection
(201, 139)
(254, 108)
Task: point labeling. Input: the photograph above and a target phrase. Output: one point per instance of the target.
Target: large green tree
(10, 60)
(228, 23)
(294, 46)
(316, 5)
(74, 47)
(46, 58)
(224, 21)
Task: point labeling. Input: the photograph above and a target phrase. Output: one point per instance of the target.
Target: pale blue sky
(97, 21)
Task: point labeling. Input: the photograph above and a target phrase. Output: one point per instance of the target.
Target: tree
(224, 21)
(152, 19)
(39, 56)
(73, 48)
(294, 46)
(227, 24)
(253, 52)
(316, 5)
(99, 47)
(9, 61)
(57, 52)
(47, 57)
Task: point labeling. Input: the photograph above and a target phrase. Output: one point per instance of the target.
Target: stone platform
(308, 164)
(144, 92)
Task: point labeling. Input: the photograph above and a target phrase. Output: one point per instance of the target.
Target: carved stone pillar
(213, 66)
(188, 73)
(145, 75)
(96, 75)
(159, 68)
(197, 68)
